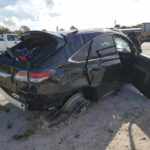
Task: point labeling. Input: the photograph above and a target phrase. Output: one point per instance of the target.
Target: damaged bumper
(13, 100)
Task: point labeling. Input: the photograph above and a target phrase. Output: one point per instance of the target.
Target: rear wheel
(76, 102)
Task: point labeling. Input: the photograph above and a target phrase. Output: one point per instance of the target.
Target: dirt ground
(118, 122)
(146, 48)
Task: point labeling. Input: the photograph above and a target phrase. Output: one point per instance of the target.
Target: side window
(1, 38)
(102, 46)
(74, 43)
(122, 45)
(12, 38)
(89, 36)
(82, 53)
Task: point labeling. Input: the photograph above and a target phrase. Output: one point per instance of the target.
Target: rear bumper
(13, 100)
(34, 97)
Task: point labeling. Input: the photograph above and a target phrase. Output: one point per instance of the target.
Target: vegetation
(1, 109)
(9, 125)
(25, 28)
(24, 135)
(4, 109)
(6, 30)
(118, 26)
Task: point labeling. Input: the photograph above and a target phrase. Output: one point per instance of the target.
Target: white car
(8, 41)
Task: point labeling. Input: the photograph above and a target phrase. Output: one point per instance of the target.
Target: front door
(104, 65)
(126, 53)
(141, 74)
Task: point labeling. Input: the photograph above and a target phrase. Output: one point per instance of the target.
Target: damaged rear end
(18, 66)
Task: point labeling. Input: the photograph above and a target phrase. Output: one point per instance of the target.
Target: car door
(104, 65)
(141, 73)
(77, 72)
(126, 52)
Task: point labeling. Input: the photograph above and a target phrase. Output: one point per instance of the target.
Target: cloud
(49, 3)
(27, 12)
(54, 14)
(47, 14)
(10, 8)
(7, 2)
(9, 22)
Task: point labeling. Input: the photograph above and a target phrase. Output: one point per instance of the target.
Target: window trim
(71, 60)
(94, 59)
(127, 40)
(99, 58)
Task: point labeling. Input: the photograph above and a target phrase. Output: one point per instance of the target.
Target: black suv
(48, 70)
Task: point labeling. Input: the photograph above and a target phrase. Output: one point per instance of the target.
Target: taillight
(35, 77)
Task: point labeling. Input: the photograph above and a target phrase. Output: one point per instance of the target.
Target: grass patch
(9, 125)
(24, 135)
(4, 109)
(1, 109)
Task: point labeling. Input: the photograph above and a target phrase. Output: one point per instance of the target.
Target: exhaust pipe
(13, 100)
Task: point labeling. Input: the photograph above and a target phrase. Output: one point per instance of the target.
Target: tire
(74, 102)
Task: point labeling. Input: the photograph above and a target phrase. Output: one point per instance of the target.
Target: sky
(83, 14)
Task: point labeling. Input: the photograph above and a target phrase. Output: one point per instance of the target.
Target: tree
(124, 27)
(73, 28)
(117, 26)
(61, 29)
(137, 26)
(44, 30)
(17, 32)
(4, 30)
(24, 29)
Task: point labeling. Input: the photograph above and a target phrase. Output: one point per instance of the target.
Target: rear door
(141, 74)
(104, 64)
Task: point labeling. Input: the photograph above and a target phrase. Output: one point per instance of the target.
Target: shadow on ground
(118, 122)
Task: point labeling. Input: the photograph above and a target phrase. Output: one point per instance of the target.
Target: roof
(98, 30)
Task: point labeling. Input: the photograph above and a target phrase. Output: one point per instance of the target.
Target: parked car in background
(47, 71)
(8, 41)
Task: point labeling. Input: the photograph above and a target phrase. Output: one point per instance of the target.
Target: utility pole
(115, 22)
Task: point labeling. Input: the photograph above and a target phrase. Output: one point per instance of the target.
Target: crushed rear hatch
(35, 47)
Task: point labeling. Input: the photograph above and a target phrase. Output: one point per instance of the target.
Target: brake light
(35, 77)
